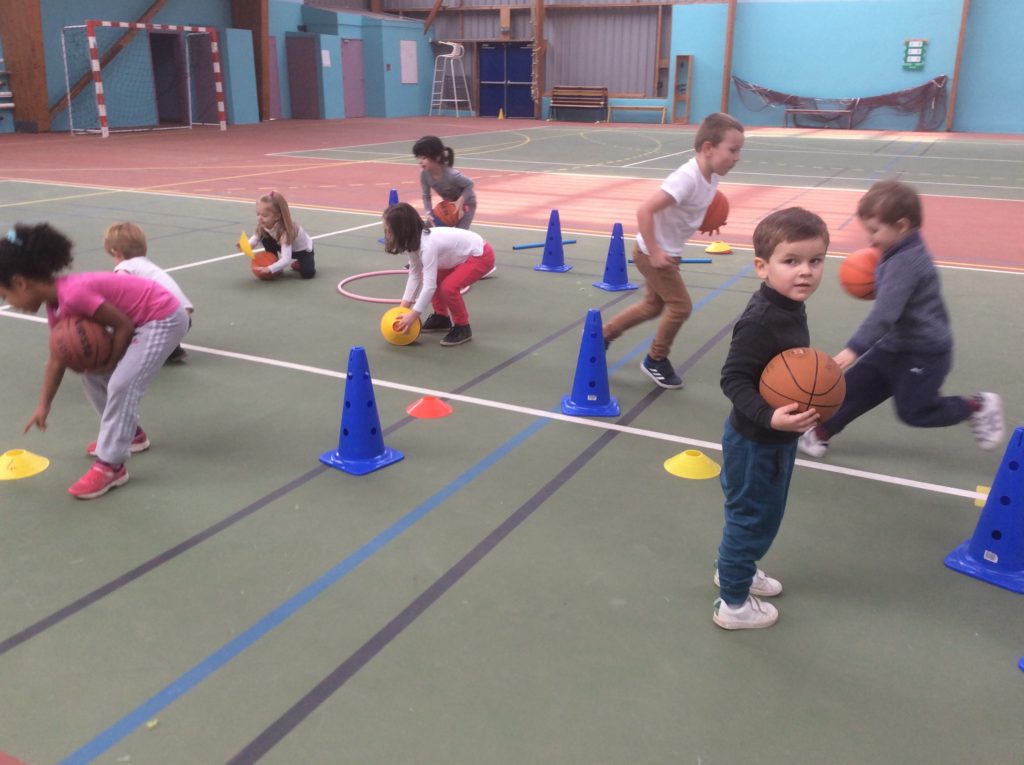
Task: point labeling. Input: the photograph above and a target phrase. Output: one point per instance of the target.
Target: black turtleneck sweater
(770, 324)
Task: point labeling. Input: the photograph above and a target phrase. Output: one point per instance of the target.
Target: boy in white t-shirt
(664, 222)
(126, 244)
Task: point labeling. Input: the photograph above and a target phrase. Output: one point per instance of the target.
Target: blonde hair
(127, 239)
(284, 230)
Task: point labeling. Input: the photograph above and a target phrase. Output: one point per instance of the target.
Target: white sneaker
(751, 615)
(809, 443)
(987, 423)
(763, 585)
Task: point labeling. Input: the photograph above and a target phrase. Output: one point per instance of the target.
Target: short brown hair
(794, 224)
(713, 129)
(891, 201)
(127, 238)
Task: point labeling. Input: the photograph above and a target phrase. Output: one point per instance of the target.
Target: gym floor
(523, 587)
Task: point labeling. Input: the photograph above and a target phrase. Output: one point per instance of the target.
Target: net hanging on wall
(928, 101)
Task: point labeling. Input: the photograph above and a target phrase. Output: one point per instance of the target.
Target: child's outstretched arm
(123, 328)
(53, 373)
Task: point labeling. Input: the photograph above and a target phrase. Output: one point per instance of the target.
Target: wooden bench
(580, 97)
(649, 107)
(820, 113)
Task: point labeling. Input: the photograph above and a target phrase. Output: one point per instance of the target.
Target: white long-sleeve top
(443, 248)
(303, 243)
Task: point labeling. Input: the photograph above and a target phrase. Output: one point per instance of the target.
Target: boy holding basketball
(126, 244)
(904, 348)
(664, 222)
(759, 441)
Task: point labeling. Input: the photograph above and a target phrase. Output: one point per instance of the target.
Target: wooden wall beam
(22, 38)
(254, 15)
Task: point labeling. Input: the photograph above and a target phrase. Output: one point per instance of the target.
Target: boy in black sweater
(759, 443)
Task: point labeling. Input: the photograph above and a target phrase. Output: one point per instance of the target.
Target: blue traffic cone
(361, 448)
(995, 553)
(590, 395)
(392, 200)
(554, 258)
(615, 278)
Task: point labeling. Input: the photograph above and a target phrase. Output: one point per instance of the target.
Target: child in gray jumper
(439, 174)
(904, 348)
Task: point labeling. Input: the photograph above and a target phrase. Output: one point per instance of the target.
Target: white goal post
(132, 86)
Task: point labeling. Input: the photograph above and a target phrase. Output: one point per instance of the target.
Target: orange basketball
(80, 344)
(446, 213)
(857, 273)
(807, 376)
(717, 214)
(263, 259)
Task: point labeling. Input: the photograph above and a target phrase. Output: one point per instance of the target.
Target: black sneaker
(177, 356)
(459, 334)
(436, 323)
(661, 372)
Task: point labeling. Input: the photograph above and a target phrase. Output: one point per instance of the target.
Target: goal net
(123, 75)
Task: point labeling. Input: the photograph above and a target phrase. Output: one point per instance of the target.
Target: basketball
(857, 273)
(807, 376)
(387, 327)
(446, 213)
(80, 344)
(263, 259)
(717, 214)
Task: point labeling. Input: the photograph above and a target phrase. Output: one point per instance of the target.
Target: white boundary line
(552, 415)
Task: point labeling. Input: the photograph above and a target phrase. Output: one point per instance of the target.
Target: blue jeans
(755, 479)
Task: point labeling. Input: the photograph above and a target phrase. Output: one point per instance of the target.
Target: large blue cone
(361, 448)
(590, 396)
(615, 277)
(995, 553)
(554, 257)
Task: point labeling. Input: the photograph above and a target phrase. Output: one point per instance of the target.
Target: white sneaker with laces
(763, 585)
(753, 614)
(987, 423)
(810, 444)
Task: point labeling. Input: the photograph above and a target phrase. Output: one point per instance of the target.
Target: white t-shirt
(147, 269)
(440, 247)
(674, 224)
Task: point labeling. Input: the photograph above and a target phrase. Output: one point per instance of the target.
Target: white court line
(550, 415)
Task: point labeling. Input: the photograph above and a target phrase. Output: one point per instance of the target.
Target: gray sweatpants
(116, 395)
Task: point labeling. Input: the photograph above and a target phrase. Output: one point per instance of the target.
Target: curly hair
(34, 251)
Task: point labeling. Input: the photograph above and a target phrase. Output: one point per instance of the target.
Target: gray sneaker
(987, 423)
(763, 585)
(753, 614)
(459, 334)
(662, 372)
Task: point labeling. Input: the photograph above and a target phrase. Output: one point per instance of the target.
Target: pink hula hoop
(365, 298)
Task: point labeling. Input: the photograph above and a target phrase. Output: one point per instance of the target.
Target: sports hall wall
(854, 49)
(381, 37)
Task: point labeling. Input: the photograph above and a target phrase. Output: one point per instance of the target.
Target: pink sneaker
(98, 480)
(139, 444)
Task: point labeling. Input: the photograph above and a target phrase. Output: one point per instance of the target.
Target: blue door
(506, 76)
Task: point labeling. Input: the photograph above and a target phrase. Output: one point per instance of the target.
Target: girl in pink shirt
(146, 323)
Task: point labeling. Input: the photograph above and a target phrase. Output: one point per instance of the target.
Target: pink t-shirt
(142, 300)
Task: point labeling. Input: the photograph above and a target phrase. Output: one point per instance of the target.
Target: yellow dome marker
(18, 463)
(718, 248)
(692, 464)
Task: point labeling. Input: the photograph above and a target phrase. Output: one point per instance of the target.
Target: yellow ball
(387, 327)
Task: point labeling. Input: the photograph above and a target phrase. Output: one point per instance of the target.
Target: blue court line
(197, 674)
(273, 619)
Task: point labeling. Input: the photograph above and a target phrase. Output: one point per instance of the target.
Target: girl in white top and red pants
(442, 263)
